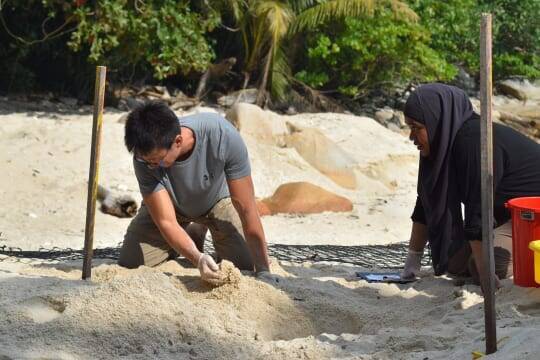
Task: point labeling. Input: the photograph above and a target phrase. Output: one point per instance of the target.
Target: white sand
(315, 311)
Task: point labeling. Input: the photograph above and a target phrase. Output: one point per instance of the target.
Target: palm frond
(281, 74)
(300, 5)
(271, 21)
(237, 8)
(402, 11)
(277, 16)
(335, 9)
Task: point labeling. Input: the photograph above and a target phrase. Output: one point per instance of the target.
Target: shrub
(455, 33)
(362, 54)
(165, 34)
(54, 44)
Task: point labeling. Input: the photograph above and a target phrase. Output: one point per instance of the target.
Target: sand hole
(43, 309)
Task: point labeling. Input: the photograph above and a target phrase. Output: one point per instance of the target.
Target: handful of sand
(229, 274)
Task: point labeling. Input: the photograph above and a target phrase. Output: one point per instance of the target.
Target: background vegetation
(345, 48)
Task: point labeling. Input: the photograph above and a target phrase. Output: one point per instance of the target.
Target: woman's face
(419, 136)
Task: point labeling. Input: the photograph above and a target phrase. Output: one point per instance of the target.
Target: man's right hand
(412, 264)
(209, 269)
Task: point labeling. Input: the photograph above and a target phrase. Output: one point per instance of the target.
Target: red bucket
(525, 228)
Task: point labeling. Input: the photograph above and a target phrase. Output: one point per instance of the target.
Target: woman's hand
(478, 256)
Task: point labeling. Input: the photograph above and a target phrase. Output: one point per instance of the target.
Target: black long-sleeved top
(516, 173)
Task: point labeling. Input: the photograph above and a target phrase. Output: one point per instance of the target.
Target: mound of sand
(313, 312)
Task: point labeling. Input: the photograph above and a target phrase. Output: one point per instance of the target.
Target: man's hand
(412, 264)
(209, 269)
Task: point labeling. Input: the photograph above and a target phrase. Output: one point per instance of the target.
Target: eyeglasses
(154, 165)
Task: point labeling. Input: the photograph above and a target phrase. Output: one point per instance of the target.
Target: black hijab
(443, 110)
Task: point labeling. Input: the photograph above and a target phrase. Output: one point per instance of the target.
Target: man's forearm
(180, 241)
(256, 241)
(258, 248)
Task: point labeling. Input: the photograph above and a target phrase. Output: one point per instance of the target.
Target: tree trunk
(202, 84)
(246, 80)
(261, 95)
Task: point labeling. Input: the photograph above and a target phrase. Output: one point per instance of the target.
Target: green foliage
(54, 44)
(455, 33)
(455, 29)
(361, 54)
(517, 36)
(165, 34)
(265, 25)
(32, 47)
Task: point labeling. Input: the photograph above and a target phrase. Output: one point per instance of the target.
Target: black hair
(150, 126)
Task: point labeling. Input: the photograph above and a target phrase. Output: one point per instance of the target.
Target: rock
(305, 198)
(247, 96)
(511, 88)
(68, 101)
(265, 126)
(263, 209)
(392, 119)
(323, 154)
(128, 103)
(399, 119)
(384, 116)
(291, 110)
(184, 104)
(393, 127)
(182, 101)
(47, 105)
(199, 110)
(465, 82)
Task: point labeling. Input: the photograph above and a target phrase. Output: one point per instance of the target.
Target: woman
(446, 131)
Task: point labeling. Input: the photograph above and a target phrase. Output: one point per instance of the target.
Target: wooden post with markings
(99, 96)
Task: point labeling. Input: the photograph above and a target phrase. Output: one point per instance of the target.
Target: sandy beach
(317, 310)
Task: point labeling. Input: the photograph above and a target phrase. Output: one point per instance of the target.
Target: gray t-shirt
(196, 184)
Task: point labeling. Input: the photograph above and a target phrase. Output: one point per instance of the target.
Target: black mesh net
(391, 256)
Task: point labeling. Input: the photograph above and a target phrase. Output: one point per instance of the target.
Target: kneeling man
(194, 175)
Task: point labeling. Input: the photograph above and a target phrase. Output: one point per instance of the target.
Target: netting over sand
(391, 256)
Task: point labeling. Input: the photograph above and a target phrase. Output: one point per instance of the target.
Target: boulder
(512, 89)
(465, 81)
(303, 198)
(263, 209)
(391, 119)
(247, 96)
(323, 154)
(265, 126)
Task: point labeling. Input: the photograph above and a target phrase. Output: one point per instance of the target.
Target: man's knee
(131, 255)
(138, 250)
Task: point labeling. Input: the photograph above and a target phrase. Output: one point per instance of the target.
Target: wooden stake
(486, 143)
(99, 95)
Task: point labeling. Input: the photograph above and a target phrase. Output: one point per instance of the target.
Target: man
(194, 174)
